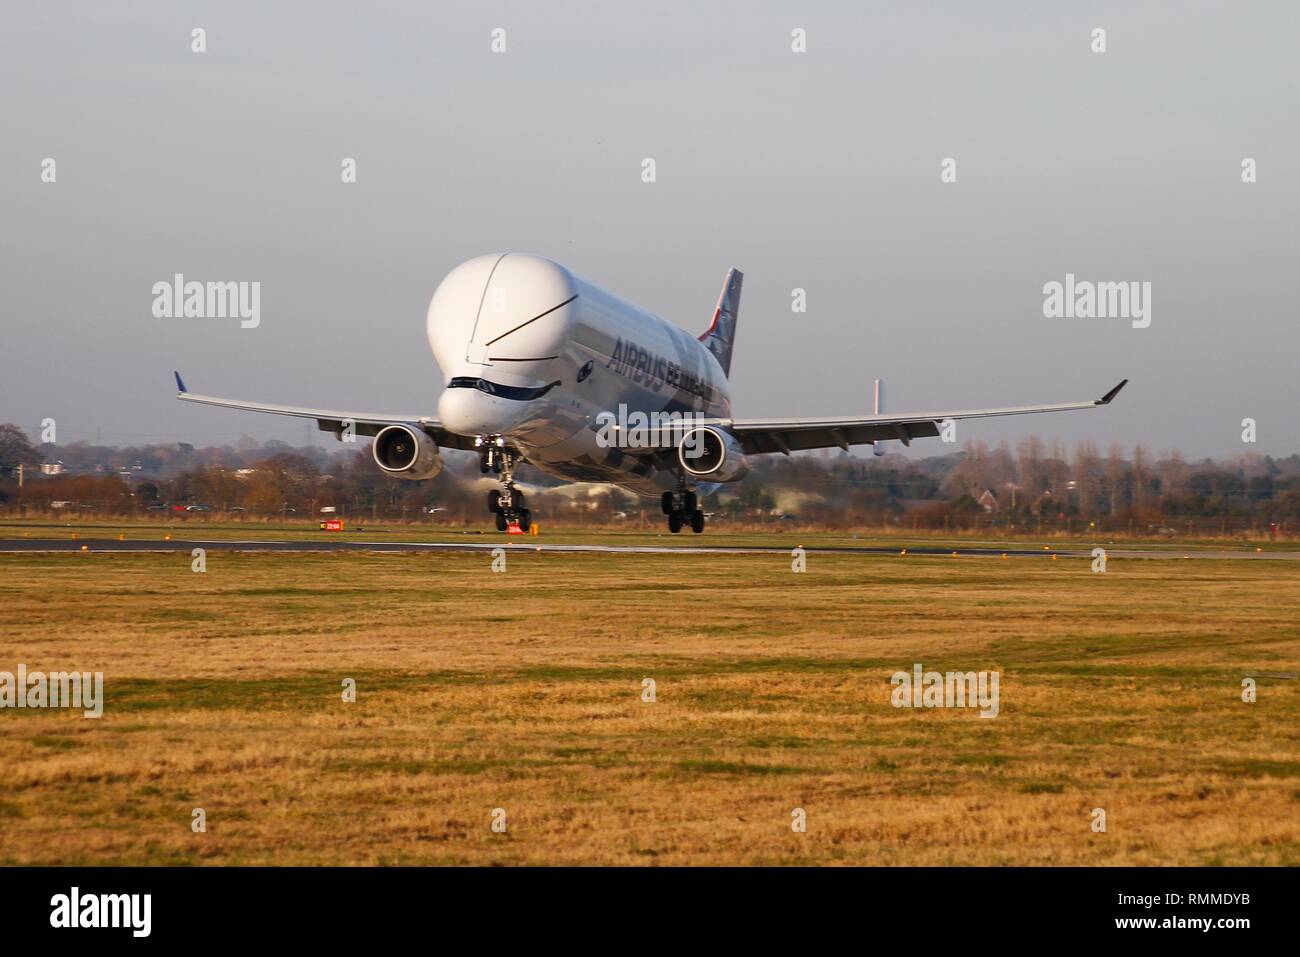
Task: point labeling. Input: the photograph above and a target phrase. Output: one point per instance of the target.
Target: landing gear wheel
(494, 501)
(690, 505)
(501, 521)
(697, 521)
(666, 503)
(675, 522)
(525, 519)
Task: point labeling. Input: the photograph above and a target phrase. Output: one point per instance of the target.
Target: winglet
(180, 383)
(1105, 399)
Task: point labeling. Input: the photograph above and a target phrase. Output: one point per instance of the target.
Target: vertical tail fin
(721, 334)
(878, 408)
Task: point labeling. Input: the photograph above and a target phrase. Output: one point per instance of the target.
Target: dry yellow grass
(523, 691)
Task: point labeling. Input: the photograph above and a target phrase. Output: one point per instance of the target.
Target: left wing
(329, 420)
(789, 435)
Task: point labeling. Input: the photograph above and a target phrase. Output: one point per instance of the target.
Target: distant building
(988, 501)
(51, 468)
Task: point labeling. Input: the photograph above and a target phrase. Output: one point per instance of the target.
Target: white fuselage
(534, 354)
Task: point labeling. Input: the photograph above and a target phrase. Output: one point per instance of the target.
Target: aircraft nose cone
(471, 412)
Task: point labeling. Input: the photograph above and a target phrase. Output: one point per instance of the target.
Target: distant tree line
(1028, 486)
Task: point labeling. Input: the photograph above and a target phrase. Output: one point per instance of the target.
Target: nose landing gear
(507, 504)
(491, 453)
(682, 509)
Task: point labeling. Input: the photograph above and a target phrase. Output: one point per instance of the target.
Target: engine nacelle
(406, 452)
(712, 454)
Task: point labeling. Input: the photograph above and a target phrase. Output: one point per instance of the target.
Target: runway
(56, 545)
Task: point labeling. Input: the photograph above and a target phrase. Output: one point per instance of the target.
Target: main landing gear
(507, 504)
(682, 509)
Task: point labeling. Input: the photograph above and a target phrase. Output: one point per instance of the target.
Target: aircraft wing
(329, 420)
(789, 435)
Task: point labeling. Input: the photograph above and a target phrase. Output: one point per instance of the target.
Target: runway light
(1004, 554)
(1053, 558)
(85, 548)
(954, 554)
(167, 538)
(121, 537)
(1047, 548)
(903, 552)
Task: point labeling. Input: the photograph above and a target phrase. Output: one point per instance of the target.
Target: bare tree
(15, 449)
(1029, 465)
(1115, 471)
(1085, 476)
(1174, 475)
(1141, 467)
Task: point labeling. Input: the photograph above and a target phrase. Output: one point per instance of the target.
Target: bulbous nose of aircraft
(497, 326)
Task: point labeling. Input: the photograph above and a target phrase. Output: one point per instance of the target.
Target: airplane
(546, 368)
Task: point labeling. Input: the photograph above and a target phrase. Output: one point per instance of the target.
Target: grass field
(523, 691)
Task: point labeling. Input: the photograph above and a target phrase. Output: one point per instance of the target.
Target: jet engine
(406, 452)
(712, 454)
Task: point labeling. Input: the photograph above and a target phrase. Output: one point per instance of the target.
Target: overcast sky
(818, 170)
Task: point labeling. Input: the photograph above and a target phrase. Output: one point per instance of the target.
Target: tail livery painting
(721, 334)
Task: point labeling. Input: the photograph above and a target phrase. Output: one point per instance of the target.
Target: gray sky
(817, 170)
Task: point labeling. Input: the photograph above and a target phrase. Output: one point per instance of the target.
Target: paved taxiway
(236, 545)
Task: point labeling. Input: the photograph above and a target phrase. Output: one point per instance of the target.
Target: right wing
(328, 420)
(788, 435)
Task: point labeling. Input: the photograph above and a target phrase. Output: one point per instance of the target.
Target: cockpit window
(503, 391)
